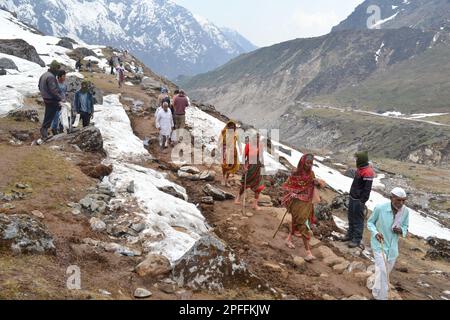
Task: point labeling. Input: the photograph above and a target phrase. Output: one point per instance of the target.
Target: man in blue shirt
(387, 223)
(84, 103)
(56, 124)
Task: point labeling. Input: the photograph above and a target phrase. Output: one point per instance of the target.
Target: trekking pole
(387, 270)
(281, 223)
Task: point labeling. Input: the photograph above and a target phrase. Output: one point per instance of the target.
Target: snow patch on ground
(24, 82)
(174, 223)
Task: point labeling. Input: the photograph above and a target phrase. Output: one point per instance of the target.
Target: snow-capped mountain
(165, 36)
(393, 14)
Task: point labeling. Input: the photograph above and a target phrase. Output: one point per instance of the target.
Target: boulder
(89, 139)
(153, 266)
(333, 260)
(211, 265)
(150, 84)
(190, 176)
(65, 43)
(172, 191)
(323, 211)
(216, 193)
(24, 115)
(25, 234)
(440, 249)
(80, 53)
(207, 200)
(97, 225)
(38, 214)
(324, 252)
(340, 268)
(22, 135)
(357, 266)
(191, 170)
(299, 261)
(20, 49)
(142, 293)
(265, 201)
(207, 175)
(6, 63)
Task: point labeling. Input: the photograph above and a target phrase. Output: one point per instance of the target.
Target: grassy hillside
(421, 84)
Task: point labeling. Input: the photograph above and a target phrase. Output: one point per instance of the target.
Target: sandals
(310, 257)
(290, 245)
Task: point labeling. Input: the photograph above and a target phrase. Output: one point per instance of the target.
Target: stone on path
(142, 293)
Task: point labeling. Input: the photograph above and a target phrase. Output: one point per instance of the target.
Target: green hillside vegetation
(420, 84)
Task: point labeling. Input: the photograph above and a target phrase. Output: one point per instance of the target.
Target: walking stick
(281, 223)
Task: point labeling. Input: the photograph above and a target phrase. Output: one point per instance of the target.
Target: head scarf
(300, 184)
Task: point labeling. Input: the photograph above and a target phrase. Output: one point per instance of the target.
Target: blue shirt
(62, 89)
(381, 221)
(84, 106)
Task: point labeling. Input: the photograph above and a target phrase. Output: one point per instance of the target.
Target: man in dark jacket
(49, 88)
(359, 195)
(84, 103)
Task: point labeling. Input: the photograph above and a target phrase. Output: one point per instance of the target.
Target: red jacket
(180, 103)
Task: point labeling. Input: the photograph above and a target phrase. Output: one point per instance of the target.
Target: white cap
(399, 192)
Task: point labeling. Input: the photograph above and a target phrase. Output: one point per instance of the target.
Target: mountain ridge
(165, 36)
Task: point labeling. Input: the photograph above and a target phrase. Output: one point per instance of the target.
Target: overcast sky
(266, 22)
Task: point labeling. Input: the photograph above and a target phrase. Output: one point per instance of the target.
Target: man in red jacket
(359, 195)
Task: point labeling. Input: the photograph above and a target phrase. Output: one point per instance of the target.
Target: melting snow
(163, 213)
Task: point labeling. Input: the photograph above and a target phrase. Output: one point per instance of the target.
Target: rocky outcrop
(211, 265)
(80, 53)
(434, 154)
(24, 115)
(89, 139)
(216, 193)
(6, 63)
(21, 49)
(25, 234)
(440, 249)
(66, 43)
(153, 266)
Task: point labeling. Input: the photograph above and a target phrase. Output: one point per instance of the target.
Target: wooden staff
(281, 223)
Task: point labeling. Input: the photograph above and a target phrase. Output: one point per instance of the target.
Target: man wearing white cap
(387, 222)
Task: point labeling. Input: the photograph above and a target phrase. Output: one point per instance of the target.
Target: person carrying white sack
(164, 122)
(387, 222)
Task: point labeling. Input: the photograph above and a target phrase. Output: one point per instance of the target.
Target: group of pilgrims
(386, 224)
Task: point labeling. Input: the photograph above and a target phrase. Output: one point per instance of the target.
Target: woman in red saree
(251, 177)
(298, 199)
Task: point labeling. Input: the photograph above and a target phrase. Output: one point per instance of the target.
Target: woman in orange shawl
(229, 142)
(298, 199)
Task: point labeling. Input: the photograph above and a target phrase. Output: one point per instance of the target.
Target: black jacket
(362, 184)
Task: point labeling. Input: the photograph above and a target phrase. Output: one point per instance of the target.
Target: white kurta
(164, 121)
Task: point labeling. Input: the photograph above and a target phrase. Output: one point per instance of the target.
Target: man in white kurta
(387, 223)
(164, 122)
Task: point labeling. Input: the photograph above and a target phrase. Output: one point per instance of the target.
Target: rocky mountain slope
(393, 69)
(418, 14)
(165, 36)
